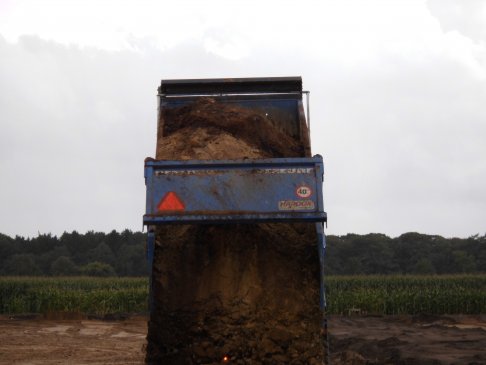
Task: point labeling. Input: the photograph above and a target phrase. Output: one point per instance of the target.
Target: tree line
(92, 254)
(123, 254)
(410, 253)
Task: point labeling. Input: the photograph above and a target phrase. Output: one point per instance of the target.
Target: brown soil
(202, 144)
(248, 292)
(189, 128)
(354, 341)
(408, 340)
(95, 342)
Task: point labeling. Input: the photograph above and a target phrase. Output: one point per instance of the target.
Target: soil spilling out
(239, 293)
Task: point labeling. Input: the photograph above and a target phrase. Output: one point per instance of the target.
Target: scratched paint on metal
(236, 190)
(217, 172)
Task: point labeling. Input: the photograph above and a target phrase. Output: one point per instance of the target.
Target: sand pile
(249, 292)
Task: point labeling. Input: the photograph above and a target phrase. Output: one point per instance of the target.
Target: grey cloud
(402, 135)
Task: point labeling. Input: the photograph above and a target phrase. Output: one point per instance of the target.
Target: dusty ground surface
(40, 341)
(354, 340)
(408, 340)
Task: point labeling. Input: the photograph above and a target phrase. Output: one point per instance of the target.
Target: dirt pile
(247, 292)
(205, 144)
(209, 128)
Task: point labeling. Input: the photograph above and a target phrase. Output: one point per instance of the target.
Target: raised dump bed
(235, 215)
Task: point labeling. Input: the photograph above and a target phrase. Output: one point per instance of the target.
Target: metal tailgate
(219, 191)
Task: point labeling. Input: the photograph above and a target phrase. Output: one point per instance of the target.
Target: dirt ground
(408, 340)
(32, 341)
(354, 340)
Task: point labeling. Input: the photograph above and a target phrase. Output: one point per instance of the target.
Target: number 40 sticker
(303, 191)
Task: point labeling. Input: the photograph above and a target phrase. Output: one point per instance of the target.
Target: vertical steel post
(321, 246)
(150, 261)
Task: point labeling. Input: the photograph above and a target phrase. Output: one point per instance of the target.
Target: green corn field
(395, 295)
(448, 294)
(89, 295)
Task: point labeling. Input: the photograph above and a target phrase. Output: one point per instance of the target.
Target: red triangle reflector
(170, 202)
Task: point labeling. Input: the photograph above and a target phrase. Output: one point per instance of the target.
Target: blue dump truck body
(227, 192)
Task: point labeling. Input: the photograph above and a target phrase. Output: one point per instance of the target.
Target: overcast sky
(398, 104)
